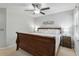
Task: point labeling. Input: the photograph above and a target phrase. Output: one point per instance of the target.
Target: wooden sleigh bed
(36, 45)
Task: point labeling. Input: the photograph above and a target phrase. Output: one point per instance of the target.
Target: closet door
(2, 27)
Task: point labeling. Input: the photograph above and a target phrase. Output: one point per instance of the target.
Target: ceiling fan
(38, 8)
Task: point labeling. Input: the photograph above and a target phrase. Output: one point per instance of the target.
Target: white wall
(76, 30)
(2, 27)
(63, 19)
(17, 22)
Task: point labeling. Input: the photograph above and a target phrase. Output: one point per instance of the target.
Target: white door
(2, 27)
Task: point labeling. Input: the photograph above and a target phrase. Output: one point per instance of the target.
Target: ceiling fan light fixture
(37, 11)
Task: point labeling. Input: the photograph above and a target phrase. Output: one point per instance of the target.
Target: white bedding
(57, 43)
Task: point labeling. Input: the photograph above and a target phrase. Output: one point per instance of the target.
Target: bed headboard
(57, 28)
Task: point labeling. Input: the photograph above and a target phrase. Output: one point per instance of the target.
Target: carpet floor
(63, 51)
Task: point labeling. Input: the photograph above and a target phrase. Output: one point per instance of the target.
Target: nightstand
(66, 41)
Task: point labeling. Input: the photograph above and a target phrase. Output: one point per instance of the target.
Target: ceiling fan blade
(28, 10)
(45, 8)
(33, 5)
(42, 13)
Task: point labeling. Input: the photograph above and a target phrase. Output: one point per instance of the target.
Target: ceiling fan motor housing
(38, 5)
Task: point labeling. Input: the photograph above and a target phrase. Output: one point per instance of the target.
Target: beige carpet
(63, 51)
(9, 51)
(12, 52)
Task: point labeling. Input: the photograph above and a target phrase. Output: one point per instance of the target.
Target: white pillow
(49, 31)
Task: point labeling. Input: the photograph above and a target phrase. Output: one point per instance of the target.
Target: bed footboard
(35, 44)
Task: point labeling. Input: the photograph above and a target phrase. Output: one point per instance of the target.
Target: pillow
(49, 31)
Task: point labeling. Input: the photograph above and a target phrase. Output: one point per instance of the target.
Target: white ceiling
(54, 7)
